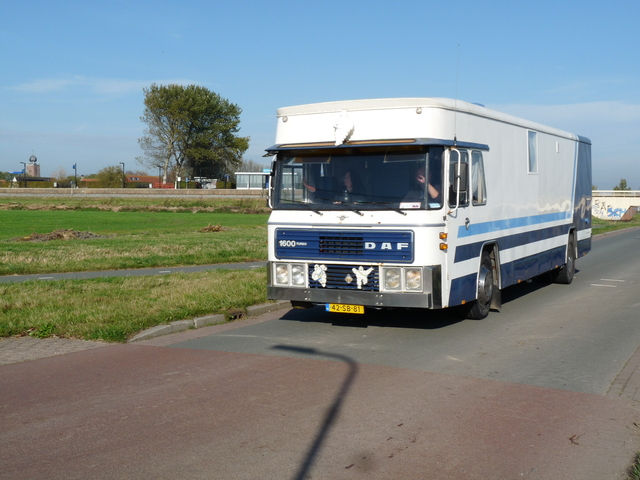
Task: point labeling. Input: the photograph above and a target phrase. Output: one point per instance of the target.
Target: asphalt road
(524, 393)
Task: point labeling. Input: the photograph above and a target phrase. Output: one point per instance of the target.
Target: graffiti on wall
(603, 211)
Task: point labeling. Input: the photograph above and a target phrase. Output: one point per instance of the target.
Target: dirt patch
(138, 208)
(59, 235)
(212, 228)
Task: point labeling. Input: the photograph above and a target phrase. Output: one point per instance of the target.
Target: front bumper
(430, 297)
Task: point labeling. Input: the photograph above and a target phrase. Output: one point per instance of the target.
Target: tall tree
(190, 127)
(622, 185)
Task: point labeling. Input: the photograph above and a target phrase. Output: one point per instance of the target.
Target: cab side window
(458, 178)
(478, 184)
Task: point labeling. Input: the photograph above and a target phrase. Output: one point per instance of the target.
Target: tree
(110, 177)
(622, 185)
(190, 127)
(251, 166)
(60, 174)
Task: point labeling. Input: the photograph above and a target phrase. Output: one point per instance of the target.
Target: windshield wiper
(387, 206)
(350, 207)
(309, 206)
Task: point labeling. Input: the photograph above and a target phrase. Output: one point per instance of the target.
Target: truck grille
(342, 277)
(341, 245)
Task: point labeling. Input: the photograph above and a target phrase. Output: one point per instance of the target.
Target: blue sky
(73, 72)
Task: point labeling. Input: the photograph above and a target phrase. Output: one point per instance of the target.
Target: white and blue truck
(424, 203)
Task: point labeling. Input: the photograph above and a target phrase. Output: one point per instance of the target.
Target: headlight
(402, 279)
(291, 275)
(297, 275)
(392, 279)
(413, 279)
(282, 274)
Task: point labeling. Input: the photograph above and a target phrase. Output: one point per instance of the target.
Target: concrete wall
(613, 204)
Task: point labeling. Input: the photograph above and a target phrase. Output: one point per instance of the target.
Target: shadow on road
(334, 409)
(400, 318)
(514, 292)
(409, 318)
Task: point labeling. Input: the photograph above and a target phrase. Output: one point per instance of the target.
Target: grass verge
(604, 226)
(115, 309)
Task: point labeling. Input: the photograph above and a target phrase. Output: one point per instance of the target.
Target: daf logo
(385, 246)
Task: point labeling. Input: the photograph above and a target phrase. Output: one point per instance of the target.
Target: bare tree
(251, 166)
(60, 174)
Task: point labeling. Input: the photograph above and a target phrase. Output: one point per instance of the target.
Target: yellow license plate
(342, 308)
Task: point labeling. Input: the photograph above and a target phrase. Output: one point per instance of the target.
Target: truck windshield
(366, 179)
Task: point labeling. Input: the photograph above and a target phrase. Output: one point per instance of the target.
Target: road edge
(208, 320)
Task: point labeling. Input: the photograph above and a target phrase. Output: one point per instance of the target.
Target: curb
(207, 320)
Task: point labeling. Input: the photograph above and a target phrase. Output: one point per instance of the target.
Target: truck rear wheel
(480, 308)
(565, 273)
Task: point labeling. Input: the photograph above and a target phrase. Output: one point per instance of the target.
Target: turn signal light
(442, 236)
(444, 246)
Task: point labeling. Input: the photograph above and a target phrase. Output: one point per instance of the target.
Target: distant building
(252, 180)
(33, 170)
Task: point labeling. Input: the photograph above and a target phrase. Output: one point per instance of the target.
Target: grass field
(131, 240)
(132, 233)
(221, 204)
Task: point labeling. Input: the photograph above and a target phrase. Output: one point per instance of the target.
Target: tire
(565, 273)
(479, 309)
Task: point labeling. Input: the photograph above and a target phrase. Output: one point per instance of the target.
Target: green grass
(115, 309)
(605, 226)
(633, 472)
(18, 223)
(134, 240)
(138, 233)
(222, 204)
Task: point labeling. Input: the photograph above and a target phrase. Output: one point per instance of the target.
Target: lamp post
(122, 163)
(24, 169)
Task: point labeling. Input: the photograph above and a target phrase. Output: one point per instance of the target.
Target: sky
(72, 73)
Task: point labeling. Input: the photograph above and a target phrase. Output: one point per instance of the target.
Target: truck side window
(458, 196)
(478, 185)
(532, 154)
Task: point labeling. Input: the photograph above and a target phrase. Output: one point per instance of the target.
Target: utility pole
(123, 179)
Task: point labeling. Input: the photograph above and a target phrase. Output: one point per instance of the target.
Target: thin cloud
(99, 86)
(46, 85)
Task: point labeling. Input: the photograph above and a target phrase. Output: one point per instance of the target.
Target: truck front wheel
(480, 308)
